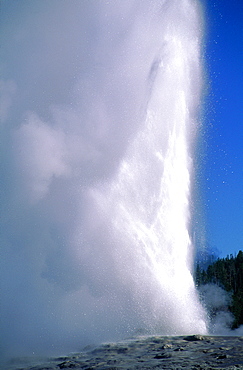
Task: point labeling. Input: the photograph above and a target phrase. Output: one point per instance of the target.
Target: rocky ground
(158, 352)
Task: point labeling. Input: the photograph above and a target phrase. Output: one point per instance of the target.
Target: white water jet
(149, 200)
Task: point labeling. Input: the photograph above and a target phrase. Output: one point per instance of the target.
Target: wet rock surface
(158, 352)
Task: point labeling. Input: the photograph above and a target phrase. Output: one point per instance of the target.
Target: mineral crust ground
(158, 352)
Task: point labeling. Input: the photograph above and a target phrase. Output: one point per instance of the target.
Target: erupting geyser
(147, 204)
(97, 244)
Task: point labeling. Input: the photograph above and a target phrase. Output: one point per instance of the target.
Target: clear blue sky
(223, 187)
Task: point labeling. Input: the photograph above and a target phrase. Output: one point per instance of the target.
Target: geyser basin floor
(157, 352)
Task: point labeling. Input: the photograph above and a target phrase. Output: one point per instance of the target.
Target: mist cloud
(71, 99)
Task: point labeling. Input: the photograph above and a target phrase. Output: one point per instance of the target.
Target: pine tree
(228, 274)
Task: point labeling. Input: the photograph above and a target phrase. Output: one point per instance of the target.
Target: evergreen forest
(228, 274)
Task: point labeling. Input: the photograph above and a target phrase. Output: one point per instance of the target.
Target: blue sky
(224, 124)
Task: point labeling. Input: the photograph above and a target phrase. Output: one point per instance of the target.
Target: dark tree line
(228, 274)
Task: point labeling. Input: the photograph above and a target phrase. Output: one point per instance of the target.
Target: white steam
(100, 111)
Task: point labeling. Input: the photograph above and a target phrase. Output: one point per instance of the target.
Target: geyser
(147, 204)
(96, 242)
